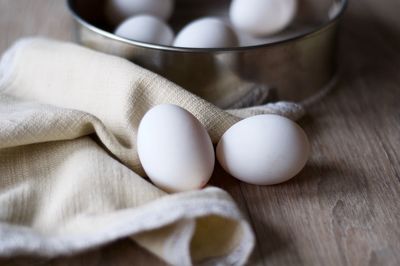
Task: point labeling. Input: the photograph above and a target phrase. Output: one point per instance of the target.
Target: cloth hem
(152, 216)
(8, 63)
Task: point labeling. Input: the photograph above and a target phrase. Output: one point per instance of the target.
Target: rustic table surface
(344, 208)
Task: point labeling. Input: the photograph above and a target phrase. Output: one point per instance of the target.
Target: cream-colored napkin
(70, 177)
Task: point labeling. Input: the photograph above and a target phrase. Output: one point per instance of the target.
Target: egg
(262, 17)
(263, 150)
(206, 33)
(119, 10)
(145, 28)
(175, 149)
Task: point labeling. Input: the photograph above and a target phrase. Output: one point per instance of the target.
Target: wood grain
(344, 208)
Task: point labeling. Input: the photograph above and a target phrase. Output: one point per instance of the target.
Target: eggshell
(262, 17)
(206, 33)
(145, 28)
(263, 150)
(119, 10)
(175, 149)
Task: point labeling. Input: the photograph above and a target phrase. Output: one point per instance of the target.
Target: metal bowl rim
(112, 36)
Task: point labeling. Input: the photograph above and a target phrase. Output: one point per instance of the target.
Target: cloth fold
(70, 176)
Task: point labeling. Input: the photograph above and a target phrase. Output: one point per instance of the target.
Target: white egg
(206, 33)
(175, 149)
(263, 150)
(262, 17)
(119, 10)
(145, 28)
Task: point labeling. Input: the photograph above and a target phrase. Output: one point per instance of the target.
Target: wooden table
(344, 208)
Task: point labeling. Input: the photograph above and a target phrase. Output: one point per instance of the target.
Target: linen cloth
(70, 176)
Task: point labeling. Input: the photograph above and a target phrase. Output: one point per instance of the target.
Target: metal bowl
(295, 63)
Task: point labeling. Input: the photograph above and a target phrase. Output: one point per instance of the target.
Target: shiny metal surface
(295, 63)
